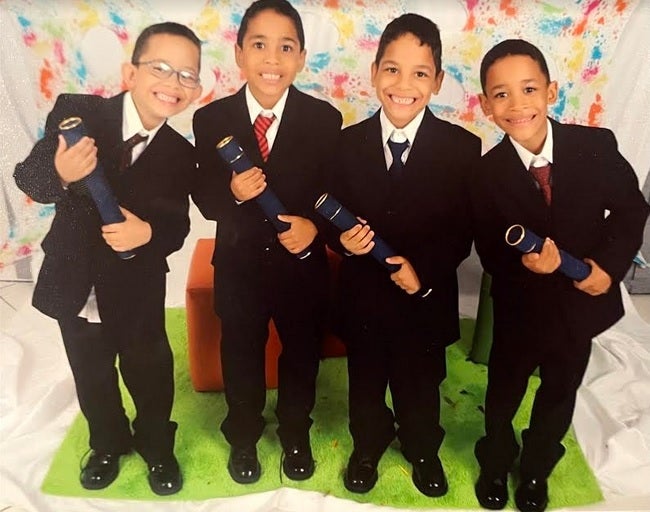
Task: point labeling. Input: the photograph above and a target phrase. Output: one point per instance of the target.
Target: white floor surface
(38, 403)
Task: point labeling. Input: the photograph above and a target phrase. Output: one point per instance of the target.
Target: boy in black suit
(542, 318)
(396, 325)
(108, 307)
(258, 276)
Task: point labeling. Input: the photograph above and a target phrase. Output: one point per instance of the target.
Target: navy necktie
(397, 150)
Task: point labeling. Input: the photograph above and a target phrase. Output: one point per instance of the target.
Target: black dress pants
(518, 349)
(381, 357)
(292, 293)
(146, 366)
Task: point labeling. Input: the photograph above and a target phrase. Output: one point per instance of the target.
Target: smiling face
(155, 98)
(517, 95)
(270, 56)
(405, 78)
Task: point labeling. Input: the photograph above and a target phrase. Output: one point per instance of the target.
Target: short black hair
(281, 7)
(166, 27)
(422, 28)
(512, 47)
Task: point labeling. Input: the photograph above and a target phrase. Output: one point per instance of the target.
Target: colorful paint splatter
(80, 49)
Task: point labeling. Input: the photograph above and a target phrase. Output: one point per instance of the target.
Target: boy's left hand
(299, 236)
(127, 235)
(406, 277)
(596, 283)
(546, 262)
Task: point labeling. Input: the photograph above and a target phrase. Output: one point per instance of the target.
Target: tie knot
(542, 174)
(135, 140)
(397, 149)
(262, 124)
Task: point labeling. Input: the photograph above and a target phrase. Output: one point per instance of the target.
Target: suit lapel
(423, 155)
(107, 132)
(515, 182)
(373, 153)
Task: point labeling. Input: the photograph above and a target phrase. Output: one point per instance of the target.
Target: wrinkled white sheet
(38, 403)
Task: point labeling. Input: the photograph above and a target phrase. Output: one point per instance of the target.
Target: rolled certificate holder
(72, 129)
(527, 241)
(232, 153)
(343, 219)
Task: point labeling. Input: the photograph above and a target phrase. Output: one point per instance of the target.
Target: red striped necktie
(260, 127)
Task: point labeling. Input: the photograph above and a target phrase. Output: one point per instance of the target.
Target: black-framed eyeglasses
(160, 69)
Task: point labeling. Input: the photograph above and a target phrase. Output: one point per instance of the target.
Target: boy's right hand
(76, 162)
(358, 239)
(546, 262)
(248, 184)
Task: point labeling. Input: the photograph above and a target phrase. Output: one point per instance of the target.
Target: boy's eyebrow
(521, 82)
(285, 38)
(395, 63)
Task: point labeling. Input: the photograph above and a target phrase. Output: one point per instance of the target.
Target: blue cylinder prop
(343, 219)
(73, 130)
(527, 241)
(232, 153)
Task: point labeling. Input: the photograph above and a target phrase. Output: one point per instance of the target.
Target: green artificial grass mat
(203, 452)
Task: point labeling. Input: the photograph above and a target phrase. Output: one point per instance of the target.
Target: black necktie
(397, 150)
(127, 150)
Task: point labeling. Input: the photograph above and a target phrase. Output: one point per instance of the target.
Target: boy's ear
(552, 92)
(303, 57)
(128, 74)
(437, 82)
(485, 104)
(373, 72)
(238, 55)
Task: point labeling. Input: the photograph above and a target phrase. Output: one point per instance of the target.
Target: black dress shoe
(165, 478)
(243, 466)
(100, 471)
(361, 474)
(532, 495)
(298, 463)
(492, 493)
(429, 477)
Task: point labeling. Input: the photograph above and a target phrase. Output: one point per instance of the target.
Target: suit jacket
(156, 189)
(589, 176)
(423, 215)
(307, 134)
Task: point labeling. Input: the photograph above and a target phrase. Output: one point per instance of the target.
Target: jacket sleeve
(623, 227)
(211, 191)
(36, 176)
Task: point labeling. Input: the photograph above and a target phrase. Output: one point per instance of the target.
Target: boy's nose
(272, 55)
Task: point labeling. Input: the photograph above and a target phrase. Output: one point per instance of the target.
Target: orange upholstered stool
(204, 326)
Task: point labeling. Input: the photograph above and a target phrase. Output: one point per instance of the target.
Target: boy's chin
(401, 120)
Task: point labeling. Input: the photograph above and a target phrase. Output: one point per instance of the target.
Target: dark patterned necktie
(543, 176)
(260, 127)
(397, 150)
(127, 150)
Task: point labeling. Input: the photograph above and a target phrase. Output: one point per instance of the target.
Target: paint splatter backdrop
(77, 46)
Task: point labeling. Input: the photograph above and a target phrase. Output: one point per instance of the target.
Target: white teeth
(269, 76)
(520, 121)
(164, 97)
(402, 101)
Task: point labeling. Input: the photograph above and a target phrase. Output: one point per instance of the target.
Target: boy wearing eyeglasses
(109, 308)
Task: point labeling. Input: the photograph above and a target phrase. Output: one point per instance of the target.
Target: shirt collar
(409, 131)
(546, 153)
(131, 123)
(254, 108)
